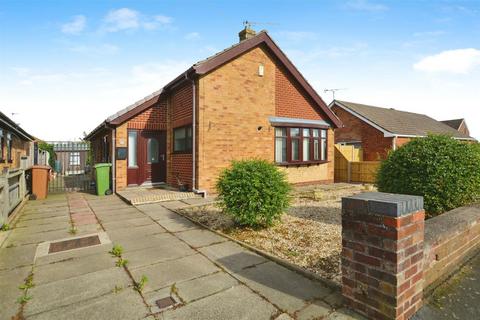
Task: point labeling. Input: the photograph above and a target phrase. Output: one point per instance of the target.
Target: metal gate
(71, 168)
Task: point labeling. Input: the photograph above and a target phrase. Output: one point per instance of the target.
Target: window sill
(300, 163)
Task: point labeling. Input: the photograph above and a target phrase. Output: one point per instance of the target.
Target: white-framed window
(74, 158)
(132, 149)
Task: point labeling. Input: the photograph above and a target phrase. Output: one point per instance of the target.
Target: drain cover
(165, 302)
(73, 244)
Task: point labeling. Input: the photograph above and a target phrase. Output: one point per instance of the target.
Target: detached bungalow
(377, 130)
(244, 102)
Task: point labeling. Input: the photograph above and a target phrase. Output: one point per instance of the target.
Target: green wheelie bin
(102, 177)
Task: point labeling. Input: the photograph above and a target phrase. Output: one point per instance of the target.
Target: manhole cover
(74, 244)
(165, 302)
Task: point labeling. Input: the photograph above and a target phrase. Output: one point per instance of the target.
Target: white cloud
(122, 19)
(434, 33)
(163, 19)
(104, 49)
(192, 36)
(460, 61)
(125, 19)
(365, 5)
(76, 26)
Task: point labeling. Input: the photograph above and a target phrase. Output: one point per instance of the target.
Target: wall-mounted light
(259, 128)
(261, 70)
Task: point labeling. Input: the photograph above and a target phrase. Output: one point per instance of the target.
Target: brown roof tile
(401, 123)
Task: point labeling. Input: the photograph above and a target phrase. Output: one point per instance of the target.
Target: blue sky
(67, 65)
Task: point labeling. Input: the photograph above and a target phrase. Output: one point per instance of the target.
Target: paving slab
(236, 303)
(316, 310)
(232, 256)
(44, 215)
(146, 241)
(46, 221)
(120, 216)
(177, 204)
(198, 238)
(165, 251)
(68, 255)
(21, 238)
(41, 228)
(74, 290)
(9, 292)
(127, 304)
(345, 314)
(164, 274)
(54, 226)
(130, 223)
(119, 234)
(73, 267)
(17, 256)
(283, 287)
(178, 223)
(205, 286)
(199, 201)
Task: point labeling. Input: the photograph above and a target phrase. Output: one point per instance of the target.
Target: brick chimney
(246, 33)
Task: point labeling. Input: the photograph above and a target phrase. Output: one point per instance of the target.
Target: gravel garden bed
(309, 235)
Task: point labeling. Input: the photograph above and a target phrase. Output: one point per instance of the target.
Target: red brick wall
(450, 238)
(181, 106)
(382, 256)
(290, 99)
(180, 114)
(374, 145)
(401, 141)
(154, 118)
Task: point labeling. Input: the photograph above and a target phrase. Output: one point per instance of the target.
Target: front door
(154, 149)
(147, 157)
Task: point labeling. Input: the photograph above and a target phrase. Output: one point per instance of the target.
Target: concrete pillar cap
(380, 203)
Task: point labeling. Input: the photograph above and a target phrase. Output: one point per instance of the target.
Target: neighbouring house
(16, 160)
(248, 101)
(458, 124)
(377, 130)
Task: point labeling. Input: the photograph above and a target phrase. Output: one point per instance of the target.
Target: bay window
(300, 145)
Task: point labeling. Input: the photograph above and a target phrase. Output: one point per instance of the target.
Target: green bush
(254, 192)
(445, 171)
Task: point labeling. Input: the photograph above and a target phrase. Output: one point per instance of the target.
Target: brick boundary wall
(450, 239)
(382, 256)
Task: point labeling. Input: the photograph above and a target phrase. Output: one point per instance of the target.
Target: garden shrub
(445, 171)
(254, 192)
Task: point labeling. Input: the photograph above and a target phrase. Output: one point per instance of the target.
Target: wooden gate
(349, 166)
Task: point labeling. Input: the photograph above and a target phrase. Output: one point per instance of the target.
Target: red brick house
(378, 130)
(244, 102)
(459, 125)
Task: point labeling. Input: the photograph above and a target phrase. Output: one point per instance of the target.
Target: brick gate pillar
(382, 238)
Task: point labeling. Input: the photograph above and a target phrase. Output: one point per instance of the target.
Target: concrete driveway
(192, 273)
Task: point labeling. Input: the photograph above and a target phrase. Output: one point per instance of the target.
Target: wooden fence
(349, 166)
(12, 192)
